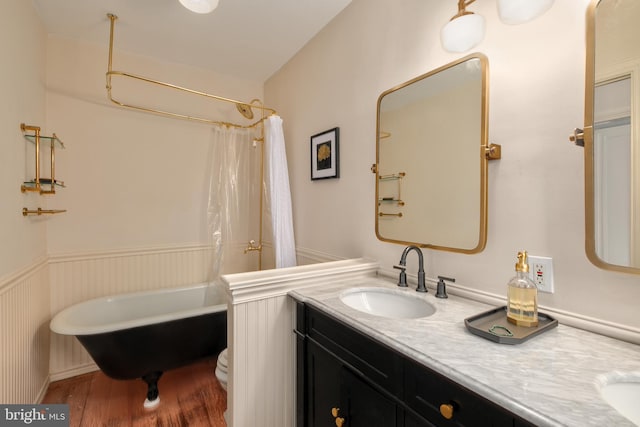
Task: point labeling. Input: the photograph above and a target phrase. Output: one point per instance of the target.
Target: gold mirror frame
(587, 137)
(487, 152)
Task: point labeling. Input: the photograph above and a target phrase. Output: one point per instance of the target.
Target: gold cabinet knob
(334, 412)
(339, 421)
(446, 410)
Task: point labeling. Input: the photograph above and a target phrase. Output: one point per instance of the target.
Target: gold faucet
(252, 247)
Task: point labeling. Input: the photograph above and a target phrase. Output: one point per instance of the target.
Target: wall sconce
(521, 11)
(200, 6)
(466, 29)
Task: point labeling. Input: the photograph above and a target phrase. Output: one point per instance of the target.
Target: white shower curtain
(279, 194)
(234, 191)
(233, 213)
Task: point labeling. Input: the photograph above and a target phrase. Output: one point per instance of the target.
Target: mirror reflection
(612, 153)
(431, 171)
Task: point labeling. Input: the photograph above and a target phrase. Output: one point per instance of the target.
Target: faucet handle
(441, 290)
(402, 280)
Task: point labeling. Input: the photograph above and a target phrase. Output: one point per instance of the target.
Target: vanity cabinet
(347, 379)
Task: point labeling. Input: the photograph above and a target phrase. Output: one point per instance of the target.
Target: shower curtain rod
(243, 107)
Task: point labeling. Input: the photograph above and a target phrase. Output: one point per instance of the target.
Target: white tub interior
(129, 310)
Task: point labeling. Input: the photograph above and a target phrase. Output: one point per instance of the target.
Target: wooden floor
(189, 396)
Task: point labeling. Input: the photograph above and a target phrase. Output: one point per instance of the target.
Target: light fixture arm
(462, 5)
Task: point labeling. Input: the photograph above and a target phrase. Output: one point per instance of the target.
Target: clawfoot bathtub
(142, 334)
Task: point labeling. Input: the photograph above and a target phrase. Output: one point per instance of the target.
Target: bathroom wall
(536, 200)
(23, 90)
(24, 280)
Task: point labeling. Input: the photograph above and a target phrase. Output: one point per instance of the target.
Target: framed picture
(324, 154)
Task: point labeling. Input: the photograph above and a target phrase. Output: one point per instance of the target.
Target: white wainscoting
(30, 355)
(261, 352)
(79, 277)
(24, 334)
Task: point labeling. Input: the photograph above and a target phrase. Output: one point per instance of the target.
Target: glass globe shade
(520, 11)
(200, 6)
(462, 33)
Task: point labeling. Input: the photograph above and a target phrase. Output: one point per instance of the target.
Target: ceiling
(250, 39)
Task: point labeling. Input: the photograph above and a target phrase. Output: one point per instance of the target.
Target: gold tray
(494, 326)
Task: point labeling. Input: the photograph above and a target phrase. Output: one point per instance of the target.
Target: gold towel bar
(398, 175)
(41, 211)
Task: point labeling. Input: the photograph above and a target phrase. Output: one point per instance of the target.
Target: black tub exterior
(136, 352)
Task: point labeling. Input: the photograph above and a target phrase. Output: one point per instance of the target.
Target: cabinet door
(366, 406)
(335, 391)
(323, 387)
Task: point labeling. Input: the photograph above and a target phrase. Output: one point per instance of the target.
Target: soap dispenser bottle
(522, 296)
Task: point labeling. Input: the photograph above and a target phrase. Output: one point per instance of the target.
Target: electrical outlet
(541, 272)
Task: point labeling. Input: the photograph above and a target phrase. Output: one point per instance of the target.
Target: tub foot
(153, 399)
(151, 404)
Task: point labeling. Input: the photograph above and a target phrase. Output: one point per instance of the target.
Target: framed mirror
(431, 159)
(611, 145)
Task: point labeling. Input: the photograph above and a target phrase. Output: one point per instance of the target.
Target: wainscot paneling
(261, 358)
(24, 335)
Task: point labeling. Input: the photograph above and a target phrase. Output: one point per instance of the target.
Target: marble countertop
(549, 380)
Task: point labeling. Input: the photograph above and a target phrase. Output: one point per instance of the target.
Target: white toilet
(221, 369)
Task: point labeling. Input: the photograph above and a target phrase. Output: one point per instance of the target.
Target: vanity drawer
(372, 359)
(425, 391)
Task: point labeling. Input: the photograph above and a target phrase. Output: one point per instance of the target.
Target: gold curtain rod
(266, 111)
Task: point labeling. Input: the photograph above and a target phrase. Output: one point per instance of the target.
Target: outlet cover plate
(541, 272)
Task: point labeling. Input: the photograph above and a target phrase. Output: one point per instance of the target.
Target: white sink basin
(622, 392)
(387, 303)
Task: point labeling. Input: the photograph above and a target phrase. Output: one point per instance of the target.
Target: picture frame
(325, 154)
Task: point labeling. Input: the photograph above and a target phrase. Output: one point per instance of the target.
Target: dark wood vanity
(347, 379)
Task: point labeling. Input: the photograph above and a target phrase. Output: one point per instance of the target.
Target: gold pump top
(522, 264)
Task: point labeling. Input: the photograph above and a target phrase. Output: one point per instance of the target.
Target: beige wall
(536, 99)
(22, 85)
(24, 274)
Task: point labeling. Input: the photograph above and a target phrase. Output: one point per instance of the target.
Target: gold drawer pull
(446, 410)
(339, 421)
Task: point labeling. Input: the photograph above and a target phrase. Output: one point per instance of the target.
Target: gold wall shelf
(397, 198)
(390, 200)
(40, 184)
